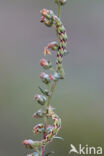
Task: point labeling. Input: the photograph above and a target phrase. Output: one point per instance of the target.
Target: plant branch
(51, 90)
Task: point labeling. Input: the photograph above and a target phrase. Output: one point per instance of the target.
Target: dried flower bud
(45, 78)
(39, 128)
(40, 99)
(61, 2)
(45, 64)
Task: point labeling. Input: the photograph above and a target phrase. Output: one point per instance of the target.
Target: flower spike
(49, 129)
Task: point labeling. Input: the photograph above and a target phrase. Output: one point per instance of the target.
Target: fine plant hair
(49, 130)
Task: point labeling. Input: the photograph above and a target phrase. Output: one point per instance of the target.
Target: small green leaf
(57, 137)
(49, 153)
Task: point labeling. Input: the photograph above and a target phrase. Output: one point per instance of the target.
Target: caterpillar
(51, 130)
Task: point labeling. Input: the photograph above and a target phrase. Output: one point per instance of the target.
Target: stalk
(52, 88)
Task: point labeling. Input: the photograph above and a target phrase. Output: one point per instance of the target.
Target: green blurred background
(79, 99)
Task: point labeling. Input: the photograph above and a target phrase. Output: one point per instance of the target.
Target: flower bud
(38, 114)
(45, 92)
(49, 129)
(47, 22)
(61, 51)
(44, 12)
(28, 143)
(54, 77)
(38, 128)
(53, 45)
(63, 44)
(61, 2)
(49, 137)
(32, 144)
(61, 29)
(59, 59)
(45, 64)
(47, 13)
(47, 51)
(63, 36)
(45, 78)
(40, 99)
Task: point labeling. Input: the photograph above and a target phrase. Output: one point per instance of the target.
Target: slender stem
(51, 92)
(58, 15)
(59, 10)
(44, 133)
(54, 82)
(52, 88)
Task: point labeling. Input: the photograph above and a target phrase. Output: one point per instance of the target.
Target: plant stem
(59, 10)
(44, 133)
(54, 82)
(58, 15)
(52, 88)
